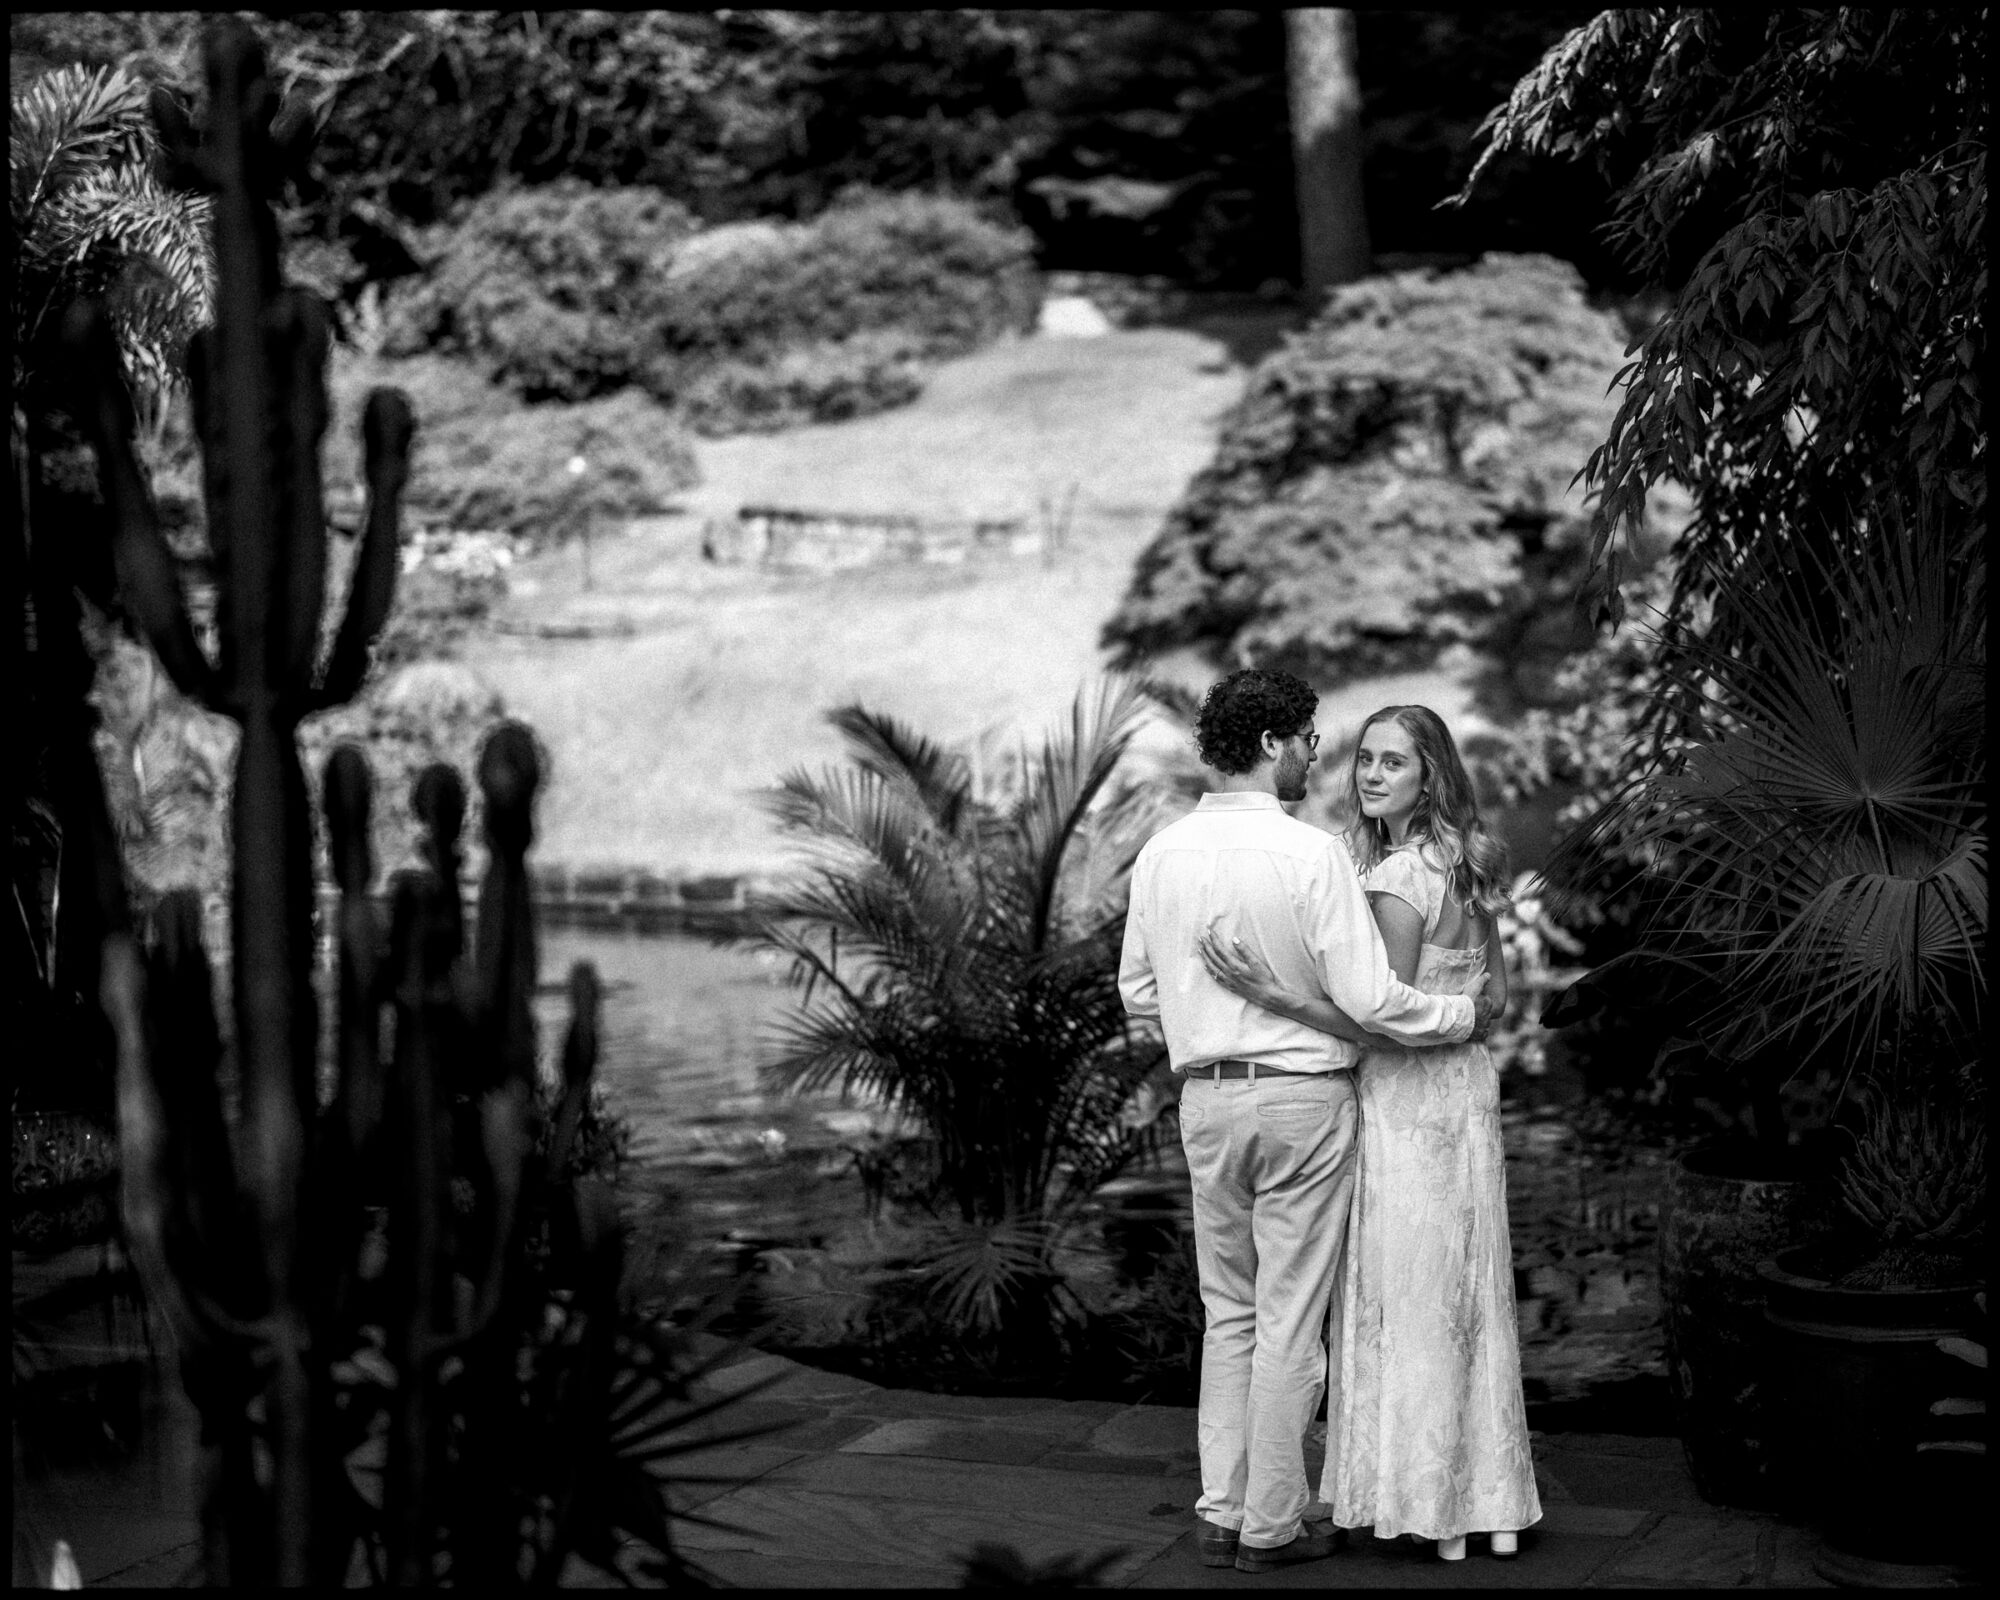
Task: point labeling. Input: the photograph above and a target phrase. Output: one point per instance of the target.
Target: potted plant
(1807, 784)
(1864, 1325)
(1815, 849)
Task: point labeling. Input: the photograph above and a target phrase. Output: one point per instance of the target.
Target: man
(1268, 1113)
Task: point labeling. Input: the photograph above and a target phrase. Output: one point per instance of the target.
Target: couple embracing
(1323, 1001)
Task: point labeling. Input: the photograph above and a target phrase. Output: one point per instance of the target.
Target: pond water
(683, 1023)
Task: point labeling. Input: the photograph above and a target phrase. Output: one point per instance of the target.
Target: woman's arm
(1244, 973)
(1496, 966)
(1402, 926)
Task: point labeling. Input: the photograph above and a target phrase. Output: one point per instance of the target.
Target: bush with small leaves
(931, 267)
(546, 290)
(566, 292)
(484, 460)
(766, 325)
(1395, 480)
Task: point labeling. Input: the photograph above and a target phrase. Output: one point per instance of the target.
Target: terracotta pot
(1724, 1214)
(1854, 1372)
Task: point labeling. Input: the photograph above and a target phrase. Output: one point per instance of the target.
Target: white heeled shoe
(1452, 1549)
(1506, 1546)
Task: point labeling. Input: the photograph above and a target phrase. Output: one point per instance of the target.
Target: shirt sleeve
(1138, 986)
(1354, 966)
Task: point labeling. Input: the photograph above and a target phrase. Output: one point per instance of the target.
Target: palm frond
(941, 779)
(65, 124)
(884, 867)
(976, 1271)
(136, 217)
(960, 958)
(1106, 1128)
(1821, 838)
(91, 219)
(914, 927)
(1064, 781)
(822, 1046)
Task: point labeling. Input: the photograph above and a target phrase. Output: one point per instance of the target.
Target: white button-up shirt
(1290, 892)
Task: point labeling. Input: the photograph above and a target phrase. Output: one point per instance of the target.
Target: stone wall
(821, 541)
(627, 898)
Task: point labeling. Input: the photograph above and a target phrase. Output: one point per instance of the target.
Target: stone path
(858, 1486)
(865, 1487)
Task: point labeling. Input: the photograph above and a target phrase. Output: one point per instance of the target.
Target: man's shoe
(1215, 1544)
(1315, 1542)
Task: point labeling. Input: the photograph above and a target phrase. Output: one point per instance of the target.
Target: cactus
(260, 408)
(360, 1292)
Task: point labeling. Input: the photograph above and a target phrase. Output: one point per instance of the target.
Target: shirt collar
(1239, 800)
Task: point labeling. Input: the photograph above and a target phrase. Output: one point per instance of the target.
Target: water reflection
(683, 1024)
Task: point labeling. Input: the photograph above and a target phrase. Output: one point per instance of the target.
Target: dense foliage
(91, 220)
(1819, 838)
(1148, 141)
(569, 292)
(1818, 177)
(484, 460)
(1802, 787)
(959, 951)
(1395, 480)
(771, 324)
(929, 265)
(90, 217)
(548, 290)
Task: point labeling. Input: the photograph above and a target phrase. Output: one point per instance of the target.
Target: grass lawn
(679, 687)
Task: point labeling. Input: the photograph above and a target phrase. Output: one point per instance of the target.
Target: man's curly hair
(1239, 709)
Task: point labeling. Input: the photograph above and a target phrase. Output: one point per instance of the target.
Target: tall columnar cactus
(360, 1291)
(260, 408)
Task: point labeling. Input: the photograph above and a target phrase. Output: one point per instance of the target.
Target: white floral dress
(1427, 1432)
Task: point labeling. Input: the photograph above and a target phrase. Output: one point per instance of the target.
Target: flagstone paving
(850, 1485)
(926, 1479)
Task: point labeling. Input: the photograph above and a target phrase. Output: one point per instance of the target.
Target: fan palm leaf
(978, 1273)
(1819, 841)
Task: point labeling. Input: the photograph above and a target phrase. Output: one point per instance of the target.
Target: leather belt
(1253, 1070)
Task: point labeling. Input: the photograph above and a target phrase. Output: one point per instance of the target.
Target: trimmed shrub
(765, 325)
(572, 293)
(1396, 480)
(485, 460)
(923, 265)
(548, 291)
(823, 382)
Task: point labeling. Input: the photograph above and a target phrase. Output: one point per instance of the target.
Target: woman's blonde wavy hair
(1446, 819)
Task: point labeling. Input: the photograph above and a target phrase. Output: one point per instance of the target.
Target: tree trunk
(1326, 149)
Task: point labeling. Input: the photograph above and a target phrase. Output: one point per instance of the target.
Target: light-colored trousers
(1273, 1167)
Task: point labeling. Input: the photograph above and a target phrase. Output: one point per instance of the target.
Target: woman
(1427, 1432)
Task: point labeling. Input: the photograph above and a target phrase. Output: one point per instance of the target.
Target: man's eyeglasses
(1311, 739)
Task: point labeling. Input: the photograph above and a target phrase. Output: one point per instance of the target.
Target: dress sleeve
(1354, 968)
(1401, 874)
